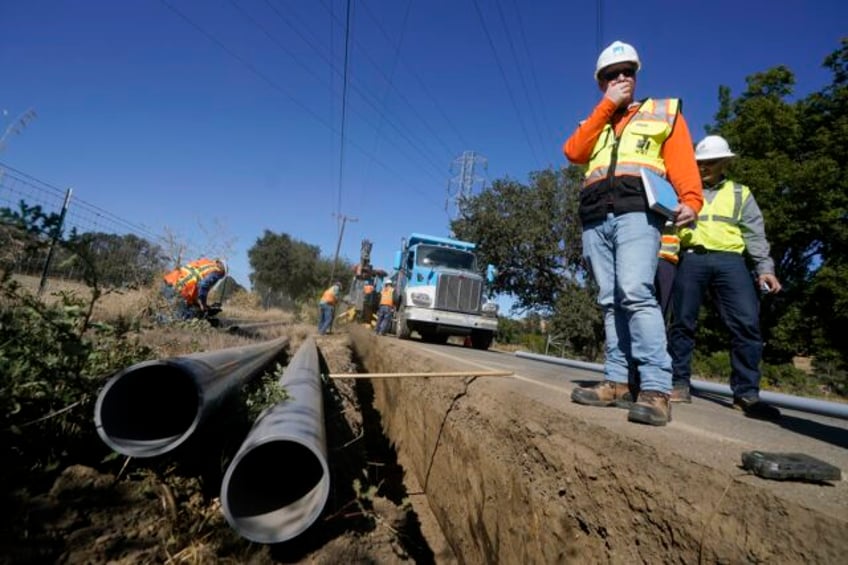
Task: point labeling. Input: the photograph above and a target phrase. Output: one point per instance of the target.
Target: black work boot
(753, 407)
(652, 408)
(605, 393)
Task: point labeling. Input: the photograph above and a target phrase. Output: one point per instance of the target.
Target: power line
(532, 66)
(344, 105)
(506, 81)
(259, 74)
(421, 84)
(530, 105)
(373, 104)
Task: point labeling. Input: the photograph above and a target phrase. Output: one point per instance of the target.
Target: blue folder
(661, 195)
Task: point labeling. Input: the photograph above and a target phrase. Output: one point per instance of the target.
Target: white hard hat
(713, 147)
(388, 281)
(617, 52)
(224, 266)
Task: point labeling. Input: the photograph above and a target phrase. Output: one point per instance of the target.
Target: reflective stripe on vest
(670, 247)
(717, 228)
(640, 143)
(186, 278)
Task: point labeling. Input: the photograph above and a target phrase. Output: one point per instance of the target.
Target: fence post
(57, 233)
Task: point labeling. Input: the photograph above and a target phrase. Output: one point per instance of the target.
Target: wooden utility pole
(344, 219)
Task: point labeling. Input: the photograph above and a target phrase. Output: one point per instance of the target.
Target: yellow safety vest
(717, 228)
(640, 143)
(186, 278)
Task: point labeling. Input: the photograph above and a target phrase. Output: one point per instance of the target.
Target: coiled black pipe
(153, 407)
(279, 481)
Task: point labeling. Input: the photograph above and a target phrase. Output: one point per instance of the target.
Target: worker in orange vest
(188, 286)
(327, 307)
(387, 307)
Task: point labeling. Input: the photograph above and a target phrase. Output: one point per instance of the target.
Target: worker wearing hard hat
(621, 236)
(327, 307)
(387, 307)
(729, 227)
(188, 286)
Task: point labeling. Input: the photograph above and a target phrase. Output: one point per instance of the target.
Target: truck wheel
(481, 339)
(401, 327)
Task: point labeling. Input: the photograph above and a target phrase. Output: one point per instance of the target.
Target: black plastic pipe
(153, 407)
(279, 481)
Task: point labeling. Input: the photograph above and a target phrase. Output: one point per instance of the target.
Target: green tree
(532, 233)
(288, 269)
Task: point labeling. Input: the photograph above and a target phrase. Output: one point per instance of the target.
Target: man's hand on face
(620, 92)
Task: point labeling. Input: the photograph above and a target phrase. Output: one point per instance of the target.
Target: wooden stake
(403, 375)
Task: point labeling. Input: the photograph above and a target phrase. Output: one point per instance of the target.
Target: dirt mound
(512, 480)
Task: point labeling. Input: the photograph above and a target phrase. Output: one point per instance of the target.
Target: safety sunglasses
(628, 72)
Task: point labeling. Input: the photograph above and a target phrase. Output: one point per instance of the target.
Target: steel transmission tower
(468, 170)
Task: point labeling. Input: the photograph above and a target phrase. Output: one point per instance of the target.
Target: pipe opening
(150, 406)
(272, 476)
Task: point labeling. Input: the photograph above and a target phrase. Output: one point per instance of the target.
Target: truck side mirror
(491, 273)
(398, 258)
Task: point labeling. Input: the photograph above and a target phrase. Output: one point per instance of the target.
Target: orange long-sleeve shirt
(677, 151)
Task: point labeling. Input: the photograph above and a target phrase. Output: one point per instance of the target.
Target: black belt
(700, 250)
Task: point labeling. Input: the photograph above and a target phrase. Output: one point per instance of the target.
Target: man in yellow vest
(188, 287)
(327, 307)
(621, 236)
(729, 227)
(387, 307)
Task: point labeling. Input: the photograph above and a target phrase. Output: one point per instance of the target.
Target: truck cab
(441, 291)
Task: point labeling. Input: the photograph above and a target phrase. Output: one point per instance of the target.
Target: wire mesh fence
(118, 252)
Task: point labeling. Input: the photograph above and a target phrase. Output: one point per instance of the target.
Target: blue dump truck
(441, 292)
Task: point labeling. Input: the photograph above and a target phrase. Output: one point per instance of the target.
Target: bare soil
(425, 471)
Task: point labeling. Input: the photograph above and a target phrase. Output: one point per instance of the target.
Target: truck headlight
(420, 299)
(490, 309)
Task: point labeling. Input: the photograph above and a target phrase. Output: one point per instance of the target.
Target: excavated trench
(510, 480)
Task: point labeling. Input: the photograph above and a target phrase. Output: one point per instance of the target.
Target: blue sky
(229, 116)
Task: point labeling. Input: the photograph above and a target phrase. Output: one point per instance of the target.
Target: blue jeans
(732, 287)
(325, 318)
(180, 310)
(622, 255)
(384, 319)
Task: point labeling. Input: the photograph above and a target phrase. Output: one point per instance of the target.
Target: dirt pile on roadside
(512, 480)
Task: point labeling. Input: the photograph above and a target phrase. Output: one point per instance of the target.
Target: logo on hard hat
(618, 49)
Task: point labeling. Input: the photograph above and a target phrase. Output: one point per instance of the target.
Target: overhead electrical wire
(270, 82)
(344, 105)
(531, 107)
(373, 104)
(531, 64)
(421, 84)
(506, 82)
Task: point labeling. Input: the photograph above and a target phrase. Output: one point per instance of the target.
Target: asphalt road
(707, 431)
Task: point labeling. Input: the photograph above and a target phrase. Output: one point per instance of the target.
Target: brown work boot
(652, 408)
(605, 393)
(680, 393)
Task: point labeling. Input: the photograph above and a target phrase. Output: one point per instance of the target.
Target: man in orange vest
(187, 287)
(387, 307)
(327, 307)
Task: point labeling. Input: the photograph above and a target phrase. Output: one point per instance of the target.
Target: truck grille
(459, 293)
